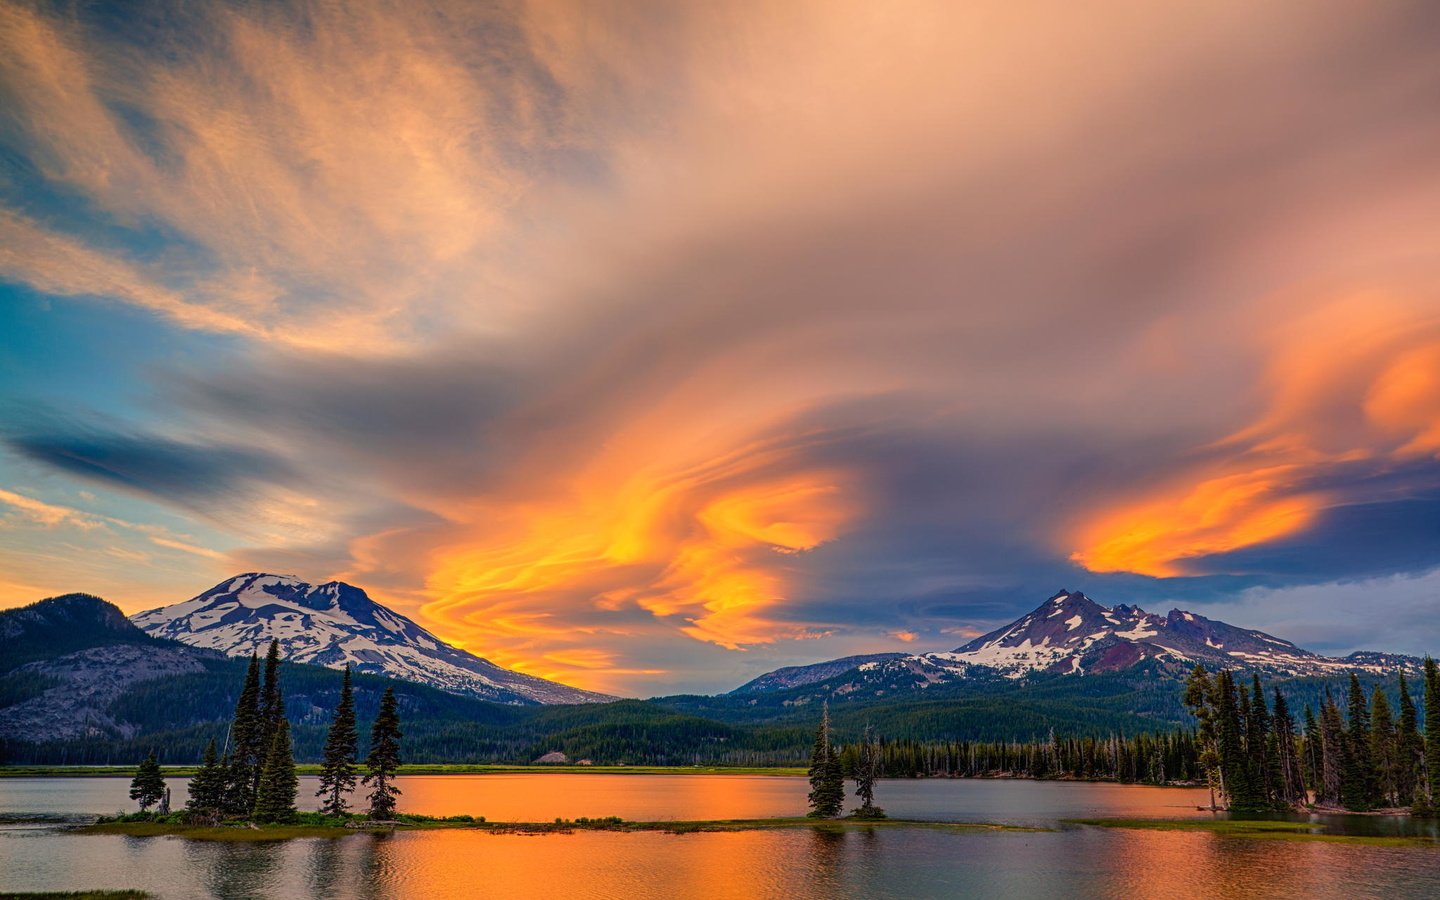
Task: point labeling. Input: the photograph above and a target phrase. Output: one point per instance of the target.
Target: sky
(649, 346)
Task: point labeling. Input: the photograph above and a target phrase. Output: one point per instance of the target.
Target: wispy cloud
(638, 343)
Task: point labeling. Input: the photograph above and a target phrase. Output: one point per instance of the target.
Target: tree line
(1256, 757)
(253, 775)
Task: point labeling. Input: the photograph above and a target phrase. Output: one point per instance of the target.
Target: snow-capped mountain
(1070, 634)
(336, 623)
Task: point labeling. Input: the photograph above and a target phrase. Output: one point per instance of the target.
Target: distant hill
(57, 624)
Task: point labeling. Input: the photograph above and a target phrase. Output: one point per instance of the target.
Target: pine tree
(207, 788)
(1409, 748)
(272, 702)
(248, 751)
(149, 784)
(1200, 700)
(1291, 784)
(338, 769)
(1357, 786)
(1383, 751)
(827, 793)
(1432, 736)
(1237, 774)
(1264, 756)
(1332, 752)
(383, 762)
(275, 798)
(1313, 746)
(869, 760)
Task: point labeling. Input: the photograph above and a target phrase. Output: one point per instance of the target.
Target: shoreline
(187, 771)
(247, 832)
(1258, 829)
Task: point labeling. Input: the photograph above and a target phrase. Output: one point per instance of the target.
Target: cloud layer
(648, 346)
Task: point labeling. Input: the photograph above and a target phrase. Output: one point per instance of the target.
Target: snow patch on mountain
(1070, 634)
(335, 624)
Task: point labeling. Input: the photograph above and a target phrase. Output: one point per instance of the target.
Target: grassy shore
(310, 825)
(415, 769)
(1261, 830)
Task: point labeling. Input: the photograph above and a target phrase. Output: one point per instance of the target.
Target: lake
(1074, 861)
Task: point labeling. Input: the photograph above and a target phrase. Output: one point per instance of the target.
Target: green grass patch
(1260, 830)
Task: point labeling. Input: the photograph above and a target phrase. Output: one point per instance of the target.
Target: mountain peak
(1070, 633)
(336, 624)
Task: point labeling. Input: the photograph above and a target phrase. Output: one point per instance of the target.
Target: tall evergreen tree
(1313, 745)
(1264, 754)
(827, 785)
(1291, 784)
(1357, 786)
(1235, 763)
(1332, 752)
(149, 784)
(247, 751)
(869, 762)
(1432, 736)
(338, 769)
(383, 761)
(1409, 748)
(1384, 740)
(272, 701)
(207, 788)
(1200, 700)
(275, 798)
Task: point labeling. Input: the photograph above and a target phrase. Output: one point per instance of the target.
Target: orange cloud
(708, 555)
(1356, 381)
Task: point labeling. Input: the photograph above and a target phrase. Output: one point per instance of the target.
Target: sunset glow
(648, 346)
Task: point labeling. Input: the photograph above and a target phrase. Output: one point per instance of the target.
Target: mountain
(92, 688)
(65, 660)
(335, 623)
(1070, 634)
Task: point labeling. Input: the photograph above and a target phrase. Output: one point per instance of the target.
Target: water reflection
(799, 864)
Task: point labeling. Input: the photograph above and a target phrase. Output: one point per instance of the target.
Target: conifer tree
(338, 769)
(383, 761)
(1432, 736)
(1200, 700)
(272, 702)
(1332, 754)
(1236, 771)
(1409, 749)
(1291, 784)
(1313, 747)
(248, 751)
(827, 791)
(1357, 786)
(1383, 740)
(869, 761)
(207, 788)
(149, 784)
(275, 798)
(1264, 755)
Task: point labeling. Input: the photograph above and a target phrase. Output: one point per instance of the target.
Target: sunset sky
(651, 346)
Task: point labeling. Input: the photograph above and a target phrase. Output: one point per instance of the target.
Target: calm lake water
(1071, 862)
